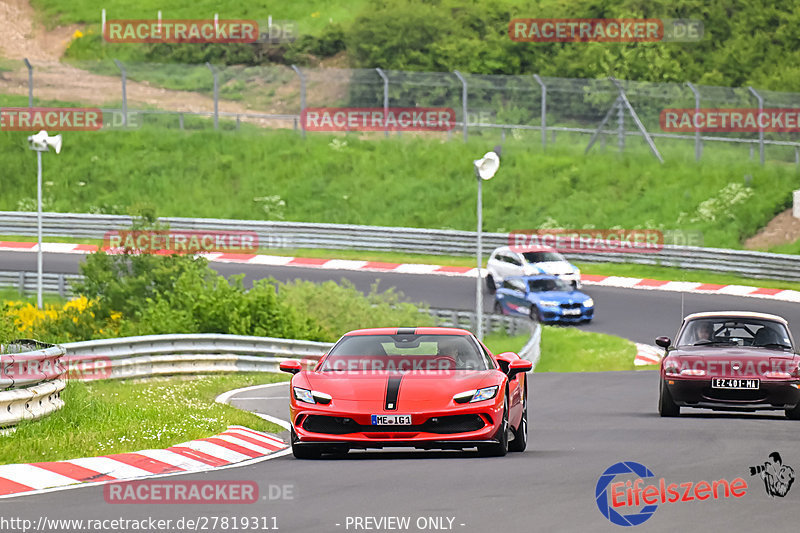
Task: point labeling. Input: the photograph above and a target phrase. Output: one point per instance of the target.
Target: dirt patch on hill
(782, 229)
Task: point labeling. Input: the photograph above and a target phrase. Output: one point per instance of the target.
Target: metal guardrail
(25, 282)
(32, 376)
(155, 355)
(407, 240)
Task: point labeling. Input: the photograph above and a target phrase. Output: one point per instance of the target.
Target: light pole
(41, 142)
(485, 169)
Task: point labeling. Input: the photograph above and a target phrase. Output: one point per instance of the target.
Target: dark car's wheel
(498, 308)
(304, 451)
(667, 407)
(500, 448)
(520, 441)
(793, 414)
(491, 286)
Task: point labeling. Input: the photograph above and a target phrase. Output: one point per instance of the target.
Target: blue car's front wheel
(535, 314)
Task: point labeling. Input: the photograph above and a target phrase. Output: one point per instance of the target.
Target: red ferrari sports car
(427, 388)
(731, 361)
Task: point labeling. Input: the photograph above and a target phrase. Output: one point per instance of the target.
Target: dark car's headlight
(479, 395)
(309, 396)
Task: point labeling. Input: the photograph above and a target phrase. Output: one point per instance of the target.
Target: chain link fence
(603, 112)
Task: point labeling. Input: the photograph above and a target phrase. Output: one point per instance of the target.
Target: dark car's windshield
(404, 353)
(543, 285)
(735, 331)
(541, 257)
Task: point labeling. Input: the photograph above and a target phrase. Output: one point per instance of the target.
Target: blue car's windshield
(543, 285)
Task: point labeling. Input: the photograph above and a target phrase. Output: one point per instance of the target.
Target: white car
(508, 261)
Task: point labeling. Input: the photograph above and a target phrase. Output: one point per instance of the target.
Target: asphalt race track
(635, 314)
(580, 424)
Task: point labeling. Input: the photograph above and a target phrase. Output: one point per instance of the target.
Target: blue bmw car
(546, 299)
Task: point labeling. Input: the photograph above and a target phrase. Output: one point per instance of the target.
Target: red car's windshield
(732, 331)
(405, 353)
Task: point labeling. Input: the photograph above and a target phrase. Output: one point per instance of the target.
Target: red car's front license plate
(391, 420)
(734, 383)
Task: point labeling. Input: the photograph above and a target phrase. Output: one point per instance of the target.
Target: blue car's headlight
(588, 303)
(549, 303)
(471, 396)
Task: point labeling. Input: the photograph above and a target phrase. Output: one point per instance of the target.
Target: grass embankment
(571, 350)
(408, 181)
(118, 416)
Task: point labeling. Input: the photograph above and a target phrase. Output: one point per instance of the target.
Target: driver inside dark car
(704, 332)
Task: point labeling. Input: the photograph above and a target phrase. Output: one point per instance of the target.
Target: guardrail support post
(463, 101)
(121, 68)
(22, 284)
(302, 97)
(216, 94)
(698, 141)
(30, 81)
(385, 79)
(544, 109)
(62, 289)
(760, 129)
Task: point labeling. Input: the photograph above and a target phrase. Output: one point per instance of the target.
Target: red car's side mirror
(292, 366)
(664, 342)
(519, 366)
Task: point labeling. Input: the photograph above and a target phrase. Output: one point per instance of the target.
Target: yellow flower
(77, 35)
(315, 14)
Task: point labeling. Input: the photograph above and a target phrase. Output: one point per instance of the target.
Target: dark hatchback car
(730, 361)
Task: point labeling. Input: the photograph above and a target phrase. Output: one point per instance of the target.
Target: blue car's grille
(571, 306)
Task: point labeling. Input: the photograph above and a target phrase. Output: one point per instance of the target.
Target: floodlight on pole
(485, 169)
(41, 142)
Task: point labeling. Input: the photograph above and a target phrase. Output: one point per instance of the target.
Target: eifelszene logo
(614, 498)
(778, 477)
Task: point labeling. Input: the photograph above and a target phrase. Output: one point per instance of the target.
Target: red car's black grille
(734, 395)
(334, 425)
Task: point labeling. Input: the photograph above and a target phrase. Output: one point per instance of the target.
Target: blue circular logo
(602, 498)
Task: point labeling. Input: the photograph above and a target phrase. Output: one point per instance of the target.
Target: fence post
(302, 97)
(698, 141)
(216, 94)
(121, 68)
(103, 23)
(30, 82)
(760, 129)
(61, 286)
(385, 79)
(463, 101)
(544, 109)
(620, 128)
(21, 282)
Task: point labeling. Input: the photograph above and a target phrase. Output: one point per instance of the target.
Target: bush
(338, 308)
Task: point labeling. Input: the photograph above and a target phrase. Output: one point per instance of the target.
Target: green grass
(107, 417)
(500, 342)
(8, 293)
(572, 350)
(410, 181)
